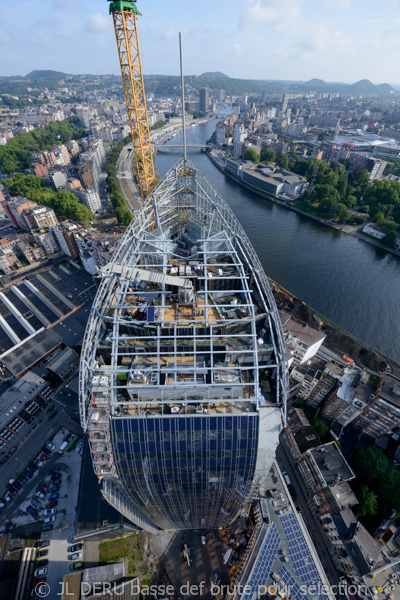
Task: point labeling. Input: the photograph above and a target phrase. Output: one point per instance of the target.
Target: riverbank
(349, 230)
(338, 341)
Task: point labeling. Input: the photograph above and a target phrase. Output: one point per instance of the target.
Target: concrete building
(64, 234)
(62, 155)
(274, 180)
(18, 404)
(383, 413)
(40, 217)
(47, 240)
(90, 197)
(303, 340)
(371, 229)
(59, 179)
(64, 364)
(285, 100)
(15, 208)
(204, 99)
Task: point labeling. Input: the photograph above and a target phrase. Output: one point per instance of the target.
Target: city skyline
(336, 40)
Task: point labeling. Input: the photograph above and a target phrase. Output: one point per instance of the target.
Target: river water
(351, 282)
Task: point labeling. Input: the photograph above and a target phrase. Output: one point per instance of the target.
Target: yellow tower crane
(124, 16)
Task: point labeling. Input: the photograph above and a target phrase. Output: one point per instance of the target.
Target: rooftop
(303, 332)
(390, 389)
(331, 464)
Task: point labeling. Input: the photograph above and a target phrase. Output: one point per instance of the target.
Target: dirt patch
(128, 548)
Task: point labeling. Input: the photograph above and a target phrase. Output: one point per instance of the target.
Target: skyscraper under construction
(183, 369)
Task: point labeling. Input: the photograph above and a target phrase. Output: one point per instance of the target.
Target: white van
(62, 447)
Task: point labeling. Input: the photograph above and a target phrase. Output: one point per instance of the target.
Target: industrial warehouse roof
(25, 356)
(40, 301)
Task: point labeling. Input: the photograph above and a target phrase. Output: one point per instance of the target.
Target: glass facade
(187, 472)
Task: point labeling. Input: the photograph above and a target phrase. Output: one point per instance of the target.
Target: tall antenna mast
(183, 98)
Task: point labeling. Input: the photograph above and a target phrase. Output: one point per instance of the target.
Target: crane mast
(124, 15)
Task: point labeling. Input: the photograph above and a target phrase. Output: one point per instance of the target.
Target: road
(313, 525)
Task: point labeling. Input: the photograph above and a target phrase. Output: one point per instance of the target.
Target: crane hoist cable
(125, 15)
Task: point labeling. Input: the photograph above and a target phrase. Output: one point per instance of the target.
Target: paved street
(62, 534)
(311, 520)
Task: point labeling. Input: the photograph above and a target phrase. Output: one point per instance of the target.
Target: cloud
(338, 3)
(170, 34)
(238, 49)
(259, 12)
(65, 4)
(98, 23)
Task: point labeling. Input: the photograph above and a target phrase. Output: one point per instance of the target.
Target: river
(352, 283)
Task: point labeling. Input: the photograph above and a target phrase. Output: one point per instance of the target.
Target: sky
(334, 40)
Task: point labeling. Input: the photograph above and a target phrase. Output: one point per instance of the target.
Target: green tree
(350, 201)
(252, 155)
(267, 156)
(368, 503)
(343, 213)
(321, 427)
(390, 238)
(283, 161)
(370, 464)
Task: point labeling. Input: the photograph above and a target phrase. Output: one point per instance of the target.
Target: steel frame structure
(183, 193)
(208, 353)
(132, 77)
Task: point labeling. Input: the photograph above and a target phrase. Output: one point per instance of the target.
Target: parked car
(40, 494)
(52, 504)
(51, 417)
(42, 543)
(50, 446)
(55, 488)
(23, 480)
(50, 511)
(28, 474)
(40, 572)
(49, 520)
(7, 498)
(31, 511)
(42, 553)
(56, 481)
(75, 547)
(36, 503)
(47, 527)
(53, 496)
(42, 563)
(38, 462)
(13, 491)
(32, 467)
(43, 457)
(44, 488)
(17, 485)
(55, 470)
(76, 566)
(46, 451)
(75, 556)
(55, 476)
(2, 505)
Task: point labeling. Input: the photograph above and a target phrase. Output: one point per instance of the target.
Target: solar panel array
(300, 555)
(263, 564)
(291, 584)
